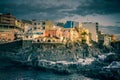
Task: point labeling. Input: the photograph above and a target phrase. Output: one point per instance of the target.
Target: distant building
(7, 36)
(50, 33)
(49, 25)
(38, 28)
(7, 19)
(113, 37)
(60, 24)
(93, 29)
(27, 35)
(100, 37)
(104, 39)
(107, 39)
(70, 24)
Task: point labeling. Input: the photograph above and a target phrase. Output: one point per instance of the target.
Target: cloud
(98, 7)
(57, 9)
(27, 7)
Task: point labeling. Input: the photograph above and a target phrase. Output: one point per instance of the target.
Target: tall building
(93, 29)
(49, 25)
(70, 24)
(9, 22)
(7, 19)
(38, 28)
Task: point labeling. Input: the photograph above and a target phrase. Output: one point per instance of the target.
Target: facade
(113, 37)
(104, 39)
(85, 36)
(71, 24)
(7, 36)
(27, 35)
(19, 24)
(46, 31)
(9, 23)
(107, 40)
(49, 25)
(50, 33)
(38, 28)
(93, 28)
(7, 19)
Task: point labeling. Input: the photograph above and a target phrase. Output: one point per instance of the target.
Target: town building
(107, 39)
(7, 36)
(49, 25)
(38, 28)
(8, 22)
(113, 38)
(93, 28)
(104, 39)
(27, 34)
(7, 19)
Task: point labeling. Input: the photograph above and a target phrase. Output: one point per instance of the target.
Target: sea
(10, 71)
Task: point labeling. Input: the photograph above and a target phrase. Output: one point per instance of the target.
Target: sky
(105, 12)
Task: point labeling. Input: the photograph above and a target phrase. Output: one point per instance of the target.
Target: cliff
(92, 61)
(55, 52)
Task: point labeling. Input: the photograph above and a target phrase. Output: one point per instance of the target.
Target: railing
(5, 42)
(47, 42)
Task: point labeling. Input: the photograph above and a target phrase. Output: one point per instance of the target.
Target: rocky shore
(91, 61)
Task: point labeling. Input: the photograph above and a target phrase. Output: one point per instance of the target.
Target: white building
(93, 29)
(38, 29)
(107, 40)
(27, 31)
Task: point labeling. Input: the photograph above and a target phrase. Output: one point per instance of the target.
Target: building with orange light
(113, 38)
(7, 36)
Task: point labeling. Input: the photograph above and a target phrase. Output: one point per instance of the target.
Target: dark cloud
(98, 7)
(55, 9)
(29, 7)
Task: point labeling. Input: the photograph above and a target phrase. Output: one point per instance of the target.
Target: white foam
(114, 64)
(86, 61)
(103, 56)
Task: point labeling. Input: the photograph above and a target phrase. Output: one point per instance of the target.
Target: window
(35, 23)
(43, 27)
(43, 23)
(26, 36)
(35, 28)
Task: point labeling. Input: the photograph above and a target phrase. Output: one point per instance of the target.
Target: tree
(84, 33)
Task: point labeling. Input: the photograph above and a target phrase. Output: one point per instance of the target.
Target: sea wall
(11, 46)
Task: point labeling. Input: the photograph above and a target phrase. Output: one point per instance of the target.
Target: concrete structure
(7, 36)
(49, 25)
(104, 39)
(8, 22)
(38, 28)
(107, 40)
(27, 35)
(93, 28)
(50, 33)
(7, 19)
(85, 36)
(71, 24)
(113, 38)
